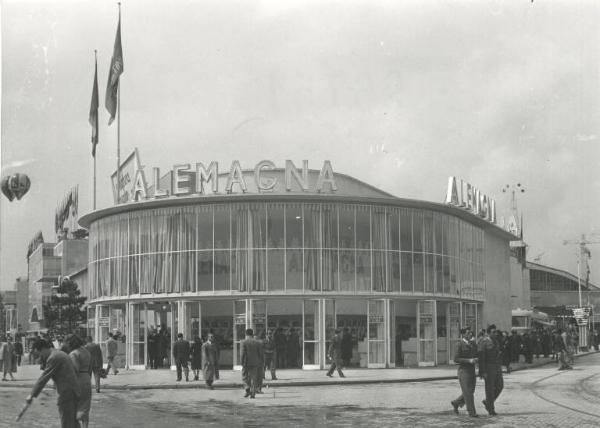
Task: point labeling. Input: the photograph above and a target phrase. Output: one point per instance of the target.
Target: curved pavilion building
(300, 252)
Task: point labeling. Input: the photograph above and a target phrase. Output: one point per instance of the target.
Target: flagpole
(96, 58)
(119, 130)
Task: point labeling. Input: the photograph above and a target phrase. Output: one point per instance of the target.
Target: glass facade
(284, 248)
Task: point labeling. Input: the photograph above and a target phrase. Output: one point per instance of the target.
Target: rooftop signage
(203, 179)
(464, 195)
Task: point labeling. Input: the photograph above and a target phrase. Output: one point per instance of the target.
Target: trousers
(467, 381)
(67, 410)
(250, 378)
(494, 384)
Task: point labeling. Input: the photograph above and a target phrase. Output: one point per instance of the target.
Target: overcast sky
(400, 95)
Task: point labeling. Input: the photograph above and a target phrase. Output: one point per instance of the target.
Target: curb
(237, 385)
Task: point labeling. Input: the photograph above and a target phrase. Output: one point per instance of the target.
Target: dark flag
(116, 69)
(94, 111)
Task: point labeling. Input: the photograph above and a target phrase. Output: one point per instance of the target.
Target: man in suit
(111, 352)
(181, 355)
(252, 358)
(490, 368)
(335, 354)
(466, 357)
(97, 361)
(58, 366)
(270, 354)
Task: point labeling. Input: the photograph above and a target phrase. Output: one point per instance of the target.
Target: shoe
(98, 391)
(474, 415)
(247, 394)
(492, 412)
(342, 375)
(117, 372)
(178, 380)
(274, 378)
(4, 379)
(252, 396)
(328, 375)
(454, 406)
(211, 387)
(196, 378)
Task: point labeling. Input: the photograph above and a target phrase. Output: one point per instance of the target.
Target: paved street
(539, 397)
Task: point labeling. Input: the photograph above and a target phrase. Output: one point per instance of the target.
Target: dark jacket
(252, 353)
(464, 352)
(335, 348)
(96, 353)
(489, 355)
(60, 369)
(181, 350)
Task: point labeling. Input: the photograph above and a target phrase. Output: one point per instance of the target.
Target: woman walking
(7, 355)
(82, 361)
(196, 353)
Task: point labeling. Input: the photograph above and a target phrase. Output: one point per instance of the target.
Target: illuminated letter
(182, 180)
(158, 192)
(485, 210)
(463, 193)
(469, 197)
(492, 205)
(326, 176)
(139, 187)
(204, 176)
(452, 193)
(270, 182)
(235, 176)
(290, 169)
(476, 206)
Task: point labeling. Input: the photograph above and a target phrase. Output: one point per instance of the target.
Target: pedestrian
(560, 350)
(58, 366)
(153, 345)
(97, 361)
(515, 347)
(18, 350)
(280, 348)
(252, 358)
(270, 354)
(196, 357)
(7, 354)
(82, 361)
(490, 368)
(181, 355)
(466, 358)
(111, 352)
(596, 339)
(346, 347)
(505, 350)
(210, 360)
(527, 349)
(293, 348)
(335, 354)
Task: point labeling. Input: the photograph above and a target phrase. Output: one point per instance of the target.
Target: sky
(400, 95)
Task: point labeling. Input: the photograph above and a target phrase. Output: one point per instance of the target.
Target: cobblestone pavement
(539, 397)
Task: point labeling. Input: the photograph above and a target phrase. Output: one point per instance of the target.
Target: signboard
(581, 315)
(130, 170)
(259, 318)
(375, 319)
(200, 179)
(239, 319)
(464, 195)
(103, 322)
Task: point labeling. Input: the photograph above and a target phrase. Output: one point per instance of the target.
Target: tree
(65, 312)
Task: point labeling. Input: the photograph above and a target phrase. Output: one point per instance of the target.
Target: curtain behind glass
(380, 245)
(312, 213)
(330, 247)
(240, 250)
(188, 246)
(257, 251)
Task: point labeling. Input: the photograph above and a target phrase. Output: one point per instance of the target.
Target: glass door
(376, 334)
(470, 317)
(426, 333)
(311, 333)
(453, 326)
(259, 318)
(190, 318)
(137, 336)
(239, 331)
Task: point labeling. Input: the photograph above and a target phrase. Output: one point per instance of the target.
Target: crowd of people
(492, 349)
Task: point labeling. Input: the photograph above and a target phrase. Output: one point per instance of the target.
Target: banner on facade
(582, 315)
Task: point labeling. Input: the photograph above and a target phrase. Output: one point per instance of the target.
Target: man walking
(466, 357)
(490, 368)
(181, 355)
(59, 368)
(210, 360)
(111, 353)
(97, 361)
(560, 350)
(335, 354)
(252, 358)
(270, 354)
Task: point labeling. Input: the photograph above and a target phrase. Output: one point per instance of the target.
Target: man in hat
(490, 368)
(466, 357)
(252, 358)
(335, 354)
(181, 355)
(58, 366)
